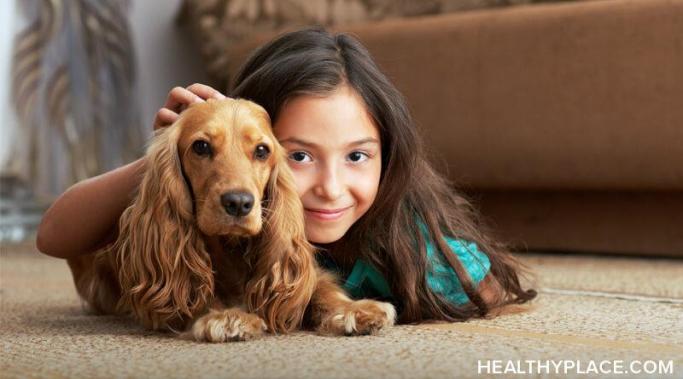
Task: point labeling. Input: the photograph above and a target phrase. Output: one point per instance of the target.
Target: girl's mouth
(326, 214)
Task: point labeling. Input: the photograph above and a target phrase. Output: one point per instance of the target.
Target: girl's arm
(85, 217)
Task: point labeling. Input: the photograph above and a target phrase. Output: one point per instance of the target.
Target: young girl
(384, 220)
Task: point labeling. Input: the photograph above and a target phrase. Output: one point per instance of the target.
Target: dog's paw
(359, 318)
(228, 325)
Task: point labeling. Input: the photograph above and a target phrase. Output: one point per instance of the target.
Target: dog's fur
(182, 262)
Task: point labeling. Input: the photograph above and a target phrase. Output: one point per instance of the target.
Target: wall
(165, 56)
(7, 120)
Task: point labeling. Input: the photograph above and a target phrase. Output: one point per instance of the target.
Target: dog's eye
(262, 152)
(201, 147)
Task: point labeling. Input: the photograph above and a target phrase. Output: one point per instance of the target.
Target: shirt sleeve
(441, 277)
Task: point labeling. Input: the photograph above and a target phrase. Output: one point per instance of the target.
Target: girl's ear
(284, 274)
(164, 269)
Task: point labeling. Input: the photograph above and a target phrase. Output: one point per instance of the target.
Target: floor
(594, 316)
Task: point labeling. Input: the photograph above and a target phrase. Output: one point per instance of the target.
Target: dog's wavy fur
(161, 270)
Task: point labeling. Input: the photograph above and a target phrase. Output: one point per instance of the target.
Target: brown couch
(564, 122)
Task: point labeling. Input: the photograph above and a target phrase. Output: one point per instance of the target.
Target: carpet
(620, 316)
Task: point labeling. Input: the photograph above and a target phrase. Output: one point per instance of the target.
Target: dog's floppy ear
(164, 269)
(284, 271)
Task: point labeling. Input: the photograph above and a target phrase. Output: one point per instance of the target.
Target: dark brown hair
(315, 62)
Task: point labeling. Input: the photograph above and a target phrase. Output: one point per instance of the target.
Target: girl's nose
(329, 185)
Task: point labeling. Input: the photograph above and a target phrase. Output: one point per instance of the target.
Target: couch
(562, 122)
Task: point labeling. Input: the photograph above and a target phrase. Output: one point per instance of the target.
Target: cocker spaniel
(213, 244)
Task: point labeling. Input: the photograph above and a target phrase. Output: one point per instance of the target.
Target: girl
(384, 220)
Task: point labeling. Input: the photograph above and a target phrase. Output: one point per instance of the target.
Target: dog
(213, 245)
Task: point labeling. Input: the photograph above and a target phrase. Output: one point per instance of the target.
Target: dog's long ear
(284, 271)
(164, 269)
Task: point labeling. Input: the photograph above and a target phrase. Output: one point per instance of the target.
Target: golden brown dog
(214, 241)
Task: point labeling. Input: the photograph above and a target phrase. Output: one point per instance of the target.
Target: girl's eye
(357, 156)
(201, 148)
(300, 156)
(262, 152)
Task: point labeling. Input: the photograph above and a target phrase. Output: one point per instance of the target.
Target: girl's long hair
(315, 62)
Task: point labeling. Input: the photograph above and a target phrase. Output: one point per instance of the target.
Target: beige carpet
(590, 309)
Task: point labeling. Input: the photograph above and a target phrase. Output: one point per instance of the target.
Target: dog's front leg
(222, 324)
(332, 312)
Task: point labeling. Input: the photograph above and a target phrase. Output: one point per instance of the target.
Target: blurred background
(560, 119)
(74, 69)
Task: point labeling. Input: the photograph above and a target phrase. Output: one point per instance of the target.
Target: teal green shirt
(365, 281)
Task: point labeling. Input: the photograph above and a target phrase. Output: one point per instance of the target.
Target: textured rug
(594, 317)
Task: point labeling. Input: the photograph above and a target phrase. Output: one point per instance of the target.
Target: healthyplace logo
(605, 367)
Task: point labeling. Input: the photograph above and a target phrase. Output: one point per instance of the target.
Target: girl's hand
(179, 99)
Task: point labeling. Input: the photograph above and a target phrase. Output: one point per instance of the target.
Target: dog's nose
(237, 204)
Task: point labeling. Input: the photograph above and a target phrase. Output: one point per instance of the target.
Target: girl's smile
(326, 214)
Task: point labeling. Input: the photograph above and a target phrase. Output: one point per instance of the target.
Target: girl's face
(334, 151)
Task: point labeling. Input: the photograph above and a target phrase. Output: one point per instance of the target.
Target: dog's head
(218, 170)
(227, 154)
